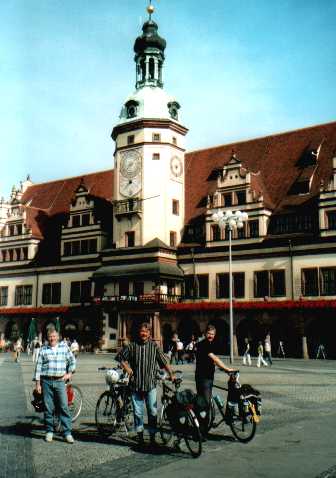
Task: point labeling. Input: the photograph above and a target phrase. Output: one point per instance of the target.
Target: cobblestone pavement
(295, 394)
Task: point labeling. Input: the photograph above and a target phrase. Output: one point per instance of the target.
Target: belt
(51, 377)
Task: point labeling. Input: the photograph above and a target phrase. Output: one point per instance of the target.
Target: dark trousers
(204, 389)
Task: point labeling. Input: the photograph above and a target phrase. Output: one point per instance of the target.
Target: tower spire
(149, 54)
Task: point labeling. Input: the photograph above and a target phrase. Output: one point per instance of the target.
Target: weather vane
(150, 9)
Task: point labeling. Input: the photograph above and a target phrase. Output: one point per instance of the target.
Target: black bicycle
(241, 412)
(114, 411)
(177, 417)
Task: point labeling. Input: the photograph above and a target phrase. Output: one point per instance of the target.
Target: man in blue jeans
(140, 360)
(55, 365)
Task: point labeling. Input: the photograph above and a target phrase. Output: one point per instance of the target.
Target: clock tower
(149, 153)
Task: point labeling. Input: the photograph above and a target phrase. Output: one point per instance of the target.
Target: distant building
(138, 242)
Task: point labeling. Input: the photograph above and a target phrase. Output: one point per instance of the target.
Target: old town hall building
(106, 250)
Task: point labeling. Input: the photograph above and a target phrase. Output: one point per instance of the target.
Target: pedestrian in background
(54, 367)
(36, 348)
(260, 351)
(281, 350)
(18, 349)
(180, 351)
(268, 350)
(191, 349)
(247, 355)
(74, 347)
(321, 352)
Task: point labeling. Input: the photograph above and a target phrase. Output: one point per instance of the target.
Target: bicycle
(242, 411)
(114, 409)
(177, 416)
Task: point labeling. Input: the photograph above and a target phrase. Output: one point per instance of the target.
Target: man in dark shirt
(206, 362)
(141, 360)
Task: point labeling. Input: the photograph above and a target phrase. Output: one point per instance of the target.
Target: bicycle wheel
(191, 434)
(211, 415)
(75, 406)
(106, 413)
(165, 428)
(243, 426)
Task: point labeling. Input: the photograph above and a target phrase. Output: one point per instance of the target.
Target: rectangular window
(172, 239)
(76, 220)
(228, 200)
(241, 232)
(253, 228)
(18, 254)
(130, 139)
(67, 249)
(11, 254)
(25, 253)
(331, 220)
(309, 282)
(223, 284)
(130, 238)
(196, 286)
(156, 156)
(156, 137)
(189, 286)
(11, 230)
(203, 285)
(4, 255)
(85, 219)
(84, 246)
(241, 197)
(261, 284)
(123, 287)
(51, 293)
(3, 295)
(176, 207)
(328, 280)
(277, 283)
(76, 248)
(23, 295)
(80, 291)
(138, 288)
(19, 229)
(92, 246)
(215, 232)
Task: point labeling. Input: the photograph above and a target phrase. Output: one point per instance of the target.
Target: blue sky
(240, 69)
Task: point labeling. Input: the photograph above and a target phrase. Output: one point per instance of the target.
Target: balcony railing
(142, 299)
(128, 206)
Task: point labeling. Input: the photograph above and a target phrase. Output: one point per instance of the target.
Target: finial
(150, 9)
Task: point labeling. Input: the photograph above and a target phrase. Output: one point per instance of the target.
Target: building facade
(139, 242)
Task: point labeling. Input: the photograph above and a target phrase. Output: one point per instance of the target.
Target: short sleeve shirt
(205, 367)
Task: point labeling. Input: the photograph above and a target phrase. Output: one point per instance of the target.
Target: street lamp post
(230, 220)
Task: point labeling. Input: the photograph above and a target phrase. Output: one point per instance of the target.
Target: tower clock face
(176, 166)
(130, 163)
(130, 173)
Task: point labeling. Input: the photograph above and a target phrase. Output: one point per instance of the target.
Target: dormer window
(173, 107)
(131, 108)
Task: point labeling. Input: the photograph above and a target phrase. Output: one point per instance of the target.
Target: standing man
(247, 355)
(268, 350)
(206, 362)
(55, 365)
(140, 360)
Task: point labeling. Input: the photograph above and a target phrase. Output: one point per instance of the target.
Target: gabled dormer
(237, 188)
(327, 204)
(83, 235)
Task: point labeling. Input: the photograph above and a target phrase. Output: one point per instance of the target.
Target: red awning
(262, 305)
(32, 310)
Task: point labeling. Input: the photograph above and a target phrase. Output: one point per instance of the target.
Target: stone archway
(321, 330)
(286, 329)
(222, 335)
(186, 328)
(251, 329)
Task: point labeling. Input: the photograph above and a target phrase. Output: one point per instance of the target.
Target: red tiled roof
(48, 199)
(274, 157)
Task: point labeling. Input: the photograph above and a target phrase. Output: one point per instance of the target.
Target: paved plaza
(294, 439)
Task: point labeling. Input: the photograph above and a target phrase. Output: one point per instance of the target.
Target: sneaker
(69, 439)
(49, 437)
